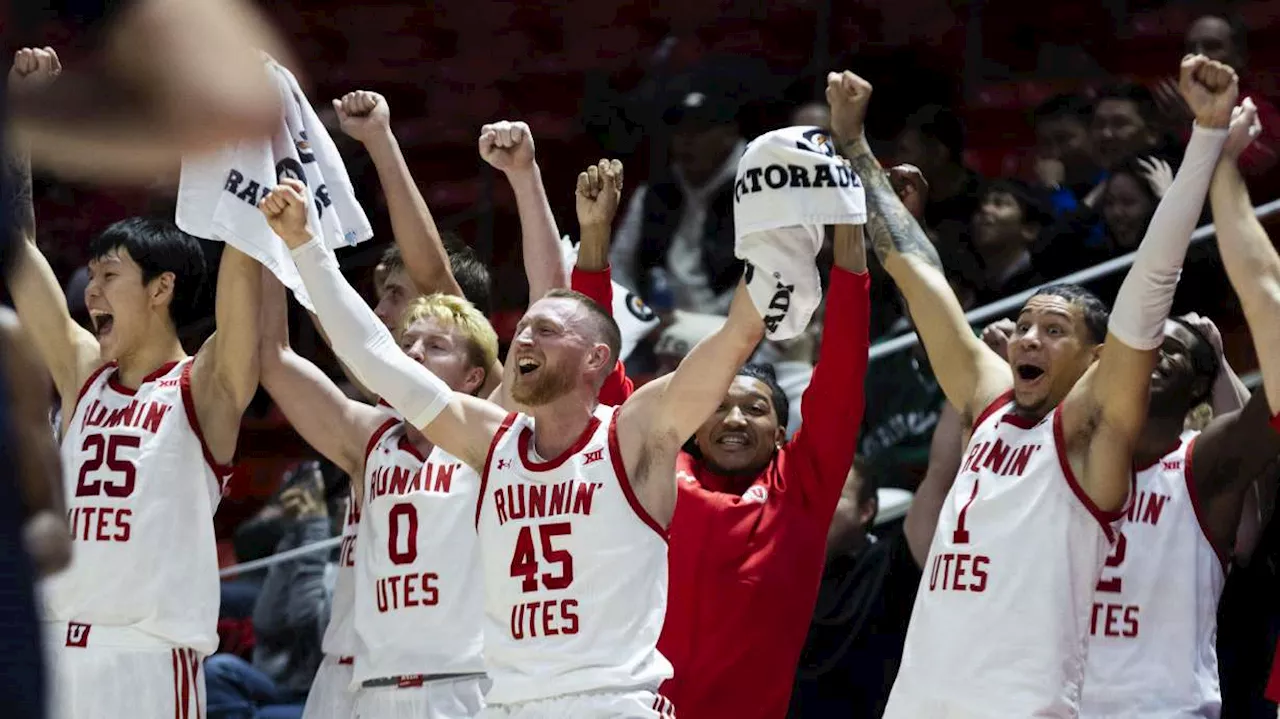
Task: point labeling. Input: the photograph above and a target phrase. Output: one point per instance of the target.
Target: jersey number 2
(524, 563)
(1114, 560)
(104, 449)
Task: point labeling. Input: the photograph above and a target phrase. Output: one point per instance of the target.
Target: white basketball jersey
(419, 597)
(575, 571)
(1152, 643)
(1002, 614)
(340, 635)
(141, 489)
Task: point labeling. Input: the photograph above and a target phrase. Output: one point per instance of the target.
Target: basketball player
(417, 604)
(1001, 619)
(575, 497)
(147, 433)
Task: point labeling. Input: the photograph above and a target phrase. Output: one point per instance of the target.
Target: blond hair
(458, 313)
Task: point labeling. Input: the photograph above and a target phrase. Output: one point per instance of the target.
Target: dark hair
(1093, 310)
(1131, 167)
(940, 124)
(1204, 360)
(1035, 204)
(1236, 26)
(158, 246)
(469, 272)
(1067, 106)
(766, 374)
(605, 326)
(1140, 96)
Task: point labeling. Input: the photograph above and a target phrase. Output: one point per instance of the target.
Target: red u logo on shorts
(77, 634)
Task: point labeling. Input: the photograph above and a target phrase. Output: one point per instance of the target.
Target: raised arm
(834, 401)
(655, 422)
(366, 117)
(597, 195)
(463, 425)
(224, 376)
(172, 76)
(508, 146)
(68, 351)
(970, 374)
(1105, 412)
(945, 452)
(335, 425)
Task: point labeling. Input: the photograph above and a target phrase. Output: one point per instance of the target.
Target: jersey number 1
(961, 535)
(524, 563)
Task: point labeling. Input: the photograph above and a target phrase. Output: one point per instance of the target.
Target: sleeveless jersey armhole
(221, 471)
(70, 412)
(1198, 507)
(1105, 519)
(488, 459)
(1005, 398)
(620, 471)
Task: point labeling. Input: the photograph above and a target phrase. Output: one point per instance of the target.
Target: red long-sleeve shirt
(746, 557)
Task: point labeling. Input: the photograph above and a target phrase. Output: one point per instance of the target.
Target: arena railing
(976, 317)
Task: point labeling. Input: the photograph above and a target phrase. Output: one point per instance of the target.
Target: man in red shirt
(748, 540)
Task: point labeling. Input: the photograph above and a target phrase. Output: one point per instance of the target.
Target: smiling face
(999, 223)
(122, 308)
(395, 292)
(445, 350)
(741, 436)
(1050, 349)
(1177, 385)
(552, 352)
(1127, 207)
(1119, 130)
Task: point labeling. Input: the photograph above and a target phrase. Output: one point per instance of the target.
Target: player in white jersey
(416, 616)
(147, 433)
(1000, 622)
(608, 533)
(331, 696)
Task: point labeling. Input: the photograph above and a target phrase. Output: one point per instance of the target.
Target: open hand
(286, 210)
(34, 67)
(598, 193)
(848, 95)
(507, 146)
(1244, 127)
(1208, 329)
(363, 114)
(1209, 89)
(1157, 173)
(996, 335)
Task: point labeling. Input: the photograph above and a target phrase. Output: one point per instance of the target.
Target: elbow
(48, 542)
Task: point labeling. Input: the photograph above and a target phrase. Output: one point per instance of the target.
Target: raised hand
(1244, 126)
(1208, 329)
(1157, 173)
(285, 208)
(33, 67)
(996, 335)
(363, 114)
(1209, 89)
(911, 187)
(598, 192)
(848, 95)
(507, 146)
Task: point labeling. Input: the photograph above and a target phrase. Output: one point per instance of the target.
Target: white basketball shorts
(331, 696)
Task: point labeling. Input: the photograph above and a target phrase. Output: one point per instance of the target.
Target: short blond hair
(456, 312)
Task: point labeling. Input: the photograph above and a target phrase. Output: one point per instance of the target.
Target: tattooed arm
(971, 374)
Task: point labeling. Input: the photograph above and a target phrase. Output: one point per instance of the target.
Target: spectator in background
(681, 222)
(289, 618)
(1225, 38)
(932, 139)
(1006, 227)
(812, 113)
(1126, 123)
(1065, 163)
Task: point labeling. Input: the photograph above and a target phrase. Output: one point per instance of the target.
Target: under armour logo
(503, 464)
(594, 455)
(77, 634)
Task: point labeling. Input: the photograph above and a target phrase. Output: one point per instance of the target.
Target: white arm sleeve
(364, 344)
(1146, 295)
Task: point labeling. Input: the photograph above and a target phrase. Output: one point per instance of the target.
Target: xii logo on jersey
(593, 456)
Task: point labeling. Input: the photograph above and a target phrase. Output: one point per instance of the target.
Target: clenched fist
(598, 192)
(1209, 88)
(997, 335)
(848, 95)
(911, 187)
(286, 210)
(33, 67)
(363, 114)
(507, 146)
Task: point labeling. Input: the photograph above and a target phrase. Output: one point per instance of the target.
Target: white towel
(218, 193)
(789, 186)
(635, 319)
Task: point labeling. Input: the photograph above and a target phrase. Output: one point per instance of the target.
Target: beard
(548, 384)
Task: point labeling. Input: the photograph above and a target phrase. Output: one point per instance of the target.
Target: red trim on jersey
(221, 471)
(406, 444)
(1104, 518)
(526, 439)
(93, 377)
(1005, 398)
(159, 372)
(1197, 507)
(488, 459)
(1275, 422)
(377, 437)
(177, 695)
(620, 471)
